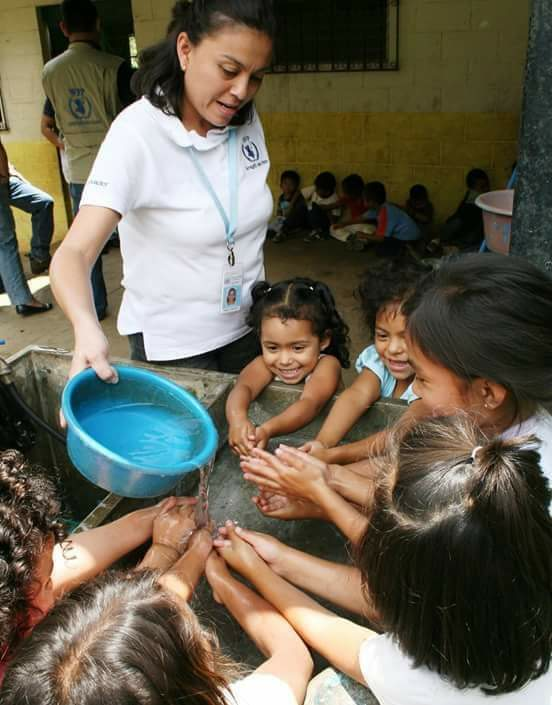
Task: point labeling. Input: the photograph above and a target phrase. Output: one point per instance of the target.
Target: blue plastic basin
(136, 438)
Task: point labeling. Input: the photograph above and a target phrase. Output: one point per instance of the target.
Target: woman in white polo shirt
(183, 173)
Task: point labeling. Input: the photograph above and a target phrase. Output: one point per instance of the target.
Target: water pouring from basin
(139, 437)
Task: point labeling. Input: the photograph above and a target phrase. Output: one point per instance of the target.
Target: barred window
(336, 35)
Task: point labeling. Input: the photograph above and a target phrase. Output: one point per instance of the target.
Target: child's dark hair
(160, 77)
(29, 515)
(79, 15)
(304, 300)
(326, 182)
(119, 640)
(418, 192)
(474, 176)
(488, 316)
(457, 557)
(375, 191)
(353, 186)
(387, 283)
(291, 175)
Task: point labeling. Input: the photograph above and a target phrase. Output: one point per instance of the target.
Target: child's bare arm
(288, 657)
(86, 554)
(184, 575)
(337, 639)
(251, 382)
(338, 583)
(320, 387)
(350, 405)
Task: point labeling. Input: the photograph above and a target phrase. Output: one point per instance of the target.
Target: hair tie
(475, 451)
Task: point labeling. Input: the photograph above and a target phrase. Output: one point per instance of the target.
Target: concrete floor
(327, 261)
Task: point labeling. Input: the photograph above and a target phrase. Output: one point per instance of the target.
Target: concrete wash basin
(40, 374)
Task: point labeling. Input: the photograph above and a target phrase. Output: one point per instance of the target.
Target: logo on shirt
(252, 153)
(80, 106)
(250, 150)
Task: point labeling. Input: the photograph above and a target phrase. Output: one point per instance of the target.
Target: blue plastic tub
(136, 438)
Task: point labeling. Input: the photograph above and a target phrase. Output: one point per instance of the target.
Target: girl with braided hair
(39, 563)
(303, 339)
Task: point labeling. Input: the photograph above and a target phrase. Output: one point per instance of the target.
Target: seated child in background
(131, 639)
(394, 227)
(303, 339)
(420, 209)
(323, 206)
(353, 219)
(383, 368)
(39, 563)
(290, 213)
(456, 568)
(464, 228)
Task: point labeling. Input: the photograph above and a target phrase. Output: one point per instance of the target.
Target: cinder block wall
(20, 82)
(453, 105)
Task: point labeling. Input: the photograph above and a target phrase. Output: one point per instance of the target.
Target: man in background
(86, 88)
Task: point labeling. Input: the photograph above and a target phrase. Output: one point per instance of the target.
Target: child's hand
(290, 471)
(268, 548)
(201, 543)
(242, 437)
(240, 555)
(315, 448)
(174, 527)
(261, 437)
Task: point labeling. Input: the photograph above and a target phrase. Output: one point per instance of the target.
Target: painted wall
(20, 71)
(454, 103)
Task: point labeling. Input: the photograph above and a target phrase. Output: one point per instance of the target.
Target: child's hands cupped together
(242, 437)
(288, 471)
(174, 526)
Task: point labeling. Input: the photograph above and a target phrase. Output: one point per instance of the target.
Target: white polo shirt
(172, 235)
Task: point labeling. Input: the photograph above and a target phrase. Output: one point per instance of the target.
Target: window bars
(336, 35)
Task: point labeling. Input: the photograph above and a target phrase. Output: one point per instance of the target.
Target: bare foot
(278, 506)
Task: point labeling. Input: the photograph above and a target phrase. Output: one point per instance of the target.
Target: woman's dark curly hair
(29, 515)
(160, 77)
(305, 300)
(388, 283)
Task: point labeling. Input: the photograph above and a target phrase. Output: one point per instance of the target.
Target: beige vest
(81, 84)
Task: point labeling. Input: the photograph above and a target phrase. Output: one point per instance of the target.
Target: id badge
(232, 289)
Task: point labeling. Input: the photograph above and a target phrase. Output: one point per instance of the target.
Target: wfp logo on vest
(79, 104)
(251, 152)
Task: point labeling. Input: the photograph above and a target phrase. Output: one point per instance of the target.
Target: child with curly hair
(39, 563)
(303, 339)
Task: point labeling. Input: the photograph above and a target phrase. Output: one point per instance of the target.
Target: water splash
(202, 507)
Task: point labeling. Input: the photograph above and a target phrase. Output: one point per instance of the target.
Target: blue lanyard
(230, 223)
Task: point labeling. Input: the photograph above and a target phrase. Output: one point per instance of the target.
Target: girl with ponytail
(303, 339)
(455, 567)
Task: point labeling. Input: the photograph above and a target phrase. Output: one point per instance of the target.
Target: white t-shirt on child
(539, 425)
(261, 688)
(390, 675)
(311, 196)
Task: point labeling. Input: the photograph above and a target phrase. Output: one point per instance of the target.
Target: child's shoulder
(370, 360)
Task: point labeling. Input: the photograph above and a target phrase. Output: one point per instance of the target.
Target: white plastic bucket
(497, 207)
